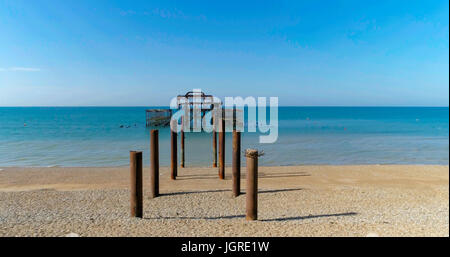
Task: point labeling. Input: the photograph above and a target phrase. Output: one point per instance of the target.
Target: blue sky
(130, 53)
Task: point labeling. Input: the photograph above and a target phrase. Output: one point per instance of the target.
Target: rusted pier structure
(214, 146)
(173, 150)
(204, 103)
(154, 163)
(220, 119)
(158, 117)
(236, 163)
(222, 149)
(182, 143)
(198, 100)
(252, 184)
(136, 204)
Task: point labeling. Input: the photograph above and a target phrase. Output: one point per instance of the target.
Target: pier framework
(206, 103)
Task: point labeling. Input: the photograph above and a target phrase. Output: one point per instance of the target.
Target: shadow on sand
(279, 190)
(284, 175)
(228, 190)
(263, 220)
(313, 216)
(261, 175)
(199, 218)
(188, 177)
(196, 192)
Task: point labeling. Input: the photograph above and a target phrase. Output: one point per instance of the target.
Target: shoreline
(229, 165)
(317, 200)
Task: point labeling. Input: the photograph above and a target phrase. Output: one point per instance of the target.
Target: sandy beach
(371, 200)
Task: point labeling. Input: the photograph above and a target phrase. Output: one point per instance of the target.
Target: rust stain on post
(222, 149)
(173, 150)
(236, 163)
(136, 184)
(154, 163)
(252, 185)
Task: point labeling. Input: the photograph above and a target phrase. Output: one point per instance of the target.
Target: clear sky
(95, 53)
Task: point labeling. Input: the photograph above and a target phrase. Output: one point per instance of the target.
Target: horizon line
(132, 106)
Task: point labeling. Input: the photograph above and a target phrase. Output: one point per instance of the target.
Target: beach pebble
(292, 201)
(71, 234)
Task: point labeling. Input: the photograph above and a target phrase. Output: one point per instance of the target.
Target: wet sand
(368, 200)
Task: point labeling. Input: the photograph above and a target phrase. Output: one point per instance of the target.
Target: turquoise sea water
(91, 136)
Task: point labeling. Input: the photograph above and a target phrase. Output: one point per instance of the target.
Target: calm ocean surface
(91, 136)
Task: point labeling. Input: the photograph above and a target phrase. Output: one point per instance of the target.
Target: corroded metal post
(252, 185)
(222, 149)
(136, 184)
(173, 149)
(182, 143)
(236, 165)
(154, 163)
(214, 146)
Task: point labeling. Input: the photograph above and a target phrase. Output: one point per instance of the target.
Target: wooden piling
(252, 185)
(136, 184)
(182, 143)
(236, 163)
(173, 150)
(222, 149)
(154, 163)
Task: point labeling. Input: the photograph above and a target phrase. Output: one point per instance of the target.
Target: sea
(103, 136)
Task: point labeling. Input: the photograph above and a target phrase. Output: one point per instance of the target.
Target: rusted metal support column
(136, 184)
(222, 149)
(173, 150)
(154, 163)
(236, 163)
(182, 143)
(214, 146)
(252, 185)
